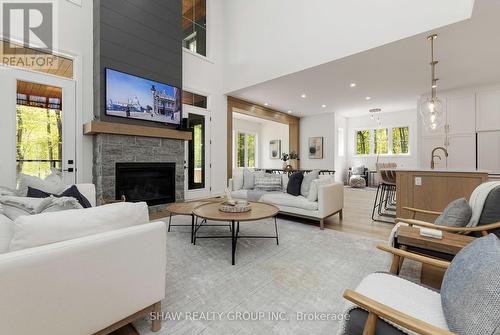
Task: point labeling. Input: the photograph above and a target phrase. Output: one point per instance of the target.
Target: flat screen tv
(135, 97)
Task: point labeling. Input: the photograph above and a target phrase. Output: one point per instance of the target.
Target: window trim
(389, 141)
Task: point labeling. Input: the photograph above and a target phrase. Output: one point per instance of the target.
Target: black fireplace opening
(153, 183)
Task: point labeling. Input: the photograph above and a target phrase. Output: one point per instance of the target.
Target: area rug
(293, 288)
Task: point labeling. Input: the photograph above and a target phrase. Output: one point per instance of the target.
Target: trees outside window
(380, 140)
(246, 152)
(363, 142)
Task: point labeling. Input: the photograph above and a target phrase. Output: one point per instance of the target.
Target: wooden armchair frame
(483, 229)
(377, 310)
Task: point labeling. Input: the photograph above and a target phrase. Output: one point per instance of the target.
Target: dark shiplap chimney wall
(140, 37)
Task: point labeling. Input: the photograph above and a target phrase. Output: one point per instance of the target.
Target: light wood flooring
(357, 220)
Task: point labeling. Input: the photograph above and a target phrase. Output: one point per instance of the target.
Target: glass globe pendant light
(432, 109)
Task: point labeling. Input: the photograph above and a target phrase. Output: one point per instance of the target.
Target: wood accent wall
(252, 109)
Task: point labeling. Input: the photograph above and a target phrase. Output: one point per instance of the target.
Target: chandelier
(373, 112)
(432, 109)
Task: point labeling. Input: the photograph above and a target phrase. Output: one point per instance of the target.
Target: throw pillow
(306, 182)
(237, 179)
(13, 206)
(358, 170)
(36, 230)
(456, 214)
(284, 181)
(56, 204)
(268, 182)
(7, 191)
(69, 192)
(294, 183)
(315, 185)
(491, 210)
(52, 184)
(470, 294)
(6, 231)
(249, 178)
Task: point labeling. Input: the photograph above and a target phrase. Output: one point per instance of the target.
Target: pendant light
(432, 109)
(373, 112)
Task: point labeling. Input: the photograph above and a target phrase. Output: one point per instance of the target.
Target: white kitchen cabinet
(461, 113)
(462, 151)
(488, 109)
(488, 144)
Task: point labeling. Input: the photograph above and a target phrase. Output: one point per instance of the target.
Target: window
(38, 129)
(194, 26)
(196, 153)
(246, 153)
(381, 141)
(400, 140)
(193, 99)
(363, 142)
(384, 141)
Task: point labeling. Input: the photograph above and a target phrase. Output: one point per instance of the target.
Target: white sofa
(87, 285)
(330, 201)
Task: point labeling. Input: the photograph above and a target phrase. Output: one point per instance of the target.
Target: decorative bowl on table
(237, 207)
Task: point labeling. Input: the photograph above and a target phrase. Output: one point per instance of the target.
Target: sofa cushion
(7, 191)
(285, 199)
(6, 232)
(52, 184)
(456, 214)
(470, 293)
(237, 179)
(294, 183)
(71, 191)
(35, 230)
(306, 182)
(315, 185)
(14, 207)
(249, 178)
(268, 182)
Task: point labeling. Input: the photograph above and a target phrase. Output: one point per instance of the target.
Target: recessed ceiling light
(303, 96)
(323, 106)
(353, 85)
(266, 104)
(368, 98)
(289, 112)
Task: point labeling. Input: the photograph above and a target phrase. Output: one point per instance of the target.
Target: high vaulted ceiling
(392, 75)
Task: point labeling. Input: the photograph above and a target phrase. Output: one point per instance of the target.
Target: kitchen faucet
(433, 155)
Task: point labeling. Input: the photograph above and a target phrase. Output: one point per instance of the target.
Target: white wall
(318, 126)
(267, 39)
(340, 144)
(273, 131)
(396, 119)
(203, 75)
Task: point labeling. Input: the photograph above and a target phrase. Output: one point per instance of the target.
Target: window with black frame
(194, 26)
(196, 159)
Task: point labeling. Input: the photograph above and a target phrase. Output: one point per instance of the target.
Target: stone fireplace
(112, 150)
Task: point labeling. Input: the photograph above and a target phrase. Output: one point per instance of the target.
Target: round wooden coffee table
(259, 211)
(185, 208)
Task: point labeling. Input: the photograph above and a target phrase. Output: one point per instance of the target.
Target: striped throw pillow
(268, 182)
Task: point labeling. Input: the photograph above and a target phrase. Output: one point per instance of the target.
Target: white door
(197, 153)
(38, 128)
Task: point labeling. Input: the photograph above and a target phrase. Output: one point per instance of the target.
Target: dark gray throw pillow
(470, 294)
(456, 214)
(294, 183)
(491, 210)
(69, 192)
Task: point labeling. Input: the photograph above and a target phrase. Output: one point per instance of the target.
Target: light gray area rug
(307, 273)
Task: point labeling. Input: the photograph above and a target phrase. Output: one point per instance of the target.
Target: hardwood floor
(357, 220)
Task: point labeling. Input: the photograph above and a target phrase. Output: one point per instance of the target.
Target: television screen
(139, 98)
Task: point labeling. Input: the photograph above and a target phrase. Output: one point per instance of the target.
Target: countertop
(439, 170)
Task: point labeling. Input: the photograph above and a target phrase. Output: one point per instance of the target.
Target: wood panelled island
(433, 189)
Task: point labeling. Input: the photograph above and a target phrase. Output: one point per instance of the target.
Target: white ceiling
(393, 75)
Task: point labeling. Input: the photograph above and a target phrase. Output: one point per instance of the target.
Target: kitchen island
(433, 189)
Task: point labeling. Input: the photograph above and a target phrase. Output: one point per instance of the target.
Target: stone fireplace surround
(110, 149)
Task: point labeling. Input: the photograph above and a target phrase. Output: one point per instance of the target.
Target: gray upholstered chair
(385, 304)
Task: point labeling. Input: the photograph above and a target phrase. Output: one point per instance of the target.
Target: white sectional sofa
(87, 285)
(330, 200)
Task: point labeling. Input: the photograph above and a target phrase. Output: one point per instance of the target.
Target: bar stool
(385, 199)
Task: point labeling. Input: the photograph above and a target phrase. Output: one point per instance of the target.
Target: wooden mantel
(99, 127)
